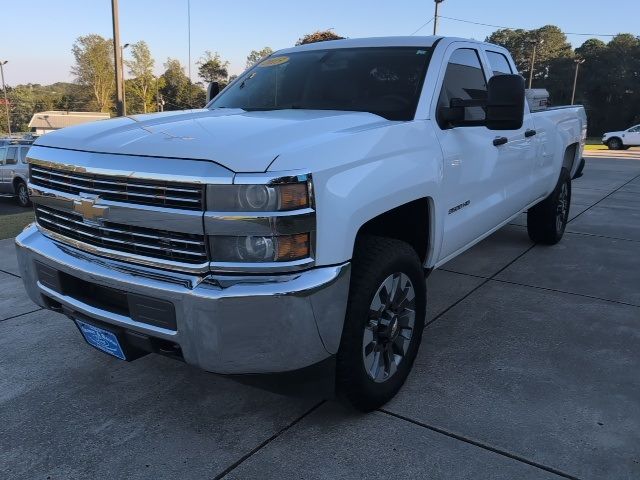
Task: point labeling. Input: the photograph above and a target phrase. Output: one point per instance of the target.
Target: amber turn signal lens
(293, 247)
(293, 196)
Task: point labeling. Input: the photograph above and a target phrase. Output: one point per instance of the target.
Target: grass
(595, 147)
(12, 225)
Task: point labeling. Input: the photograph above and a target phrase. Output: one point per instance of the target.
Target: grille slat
(121, 189)
(159, 244)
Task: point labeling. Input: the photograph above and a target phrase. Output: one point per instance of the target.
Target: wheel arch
(411, 222)
(570, 157)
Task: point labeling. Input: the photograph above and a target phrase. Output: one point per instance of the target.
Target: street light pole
(578, 62)
(533, 60)
(118, 58)
(4, 89)
(124, 85)
(435, 16)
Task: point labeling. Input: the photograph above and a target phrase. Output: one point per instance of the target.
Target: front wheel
(547, 220)
(384, 322)
(22, 193)
(614, 144)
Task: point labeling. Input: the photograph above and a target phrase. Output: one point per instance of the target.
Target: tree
(319, 36)
(550, 43)
(609, 82)
(94, 68)
(256, 55)
(142, 85)
(212, 68)
(177, 90)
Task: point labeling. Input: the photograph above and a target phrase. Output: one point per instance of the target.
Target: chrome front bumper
(232, 325)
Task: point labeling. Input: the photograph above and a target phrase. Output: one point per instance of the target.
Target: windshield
(385, 81)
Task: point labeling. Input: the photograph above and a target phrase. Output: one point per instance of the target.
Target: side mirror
(453, 115)
(212, 90)
(505, 102)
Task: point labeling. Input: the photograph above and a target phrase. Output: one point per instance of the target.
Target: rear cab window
(499, 63)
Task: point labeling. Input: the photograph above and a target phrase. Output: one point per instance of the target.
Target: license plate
(101, 339)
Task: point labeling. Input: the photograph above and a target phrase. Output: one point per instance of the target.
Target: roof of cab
(413, 41)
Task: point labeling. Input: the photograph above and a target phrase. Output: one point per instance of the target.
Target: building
(44, 122)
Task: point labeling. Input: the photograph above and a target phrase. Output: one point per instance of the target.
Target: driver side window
(635, 129)
(464, 79)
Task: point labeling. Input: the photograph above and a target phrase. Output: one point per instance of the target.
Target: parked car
(14, 170)
(623, 139)
(293, 220)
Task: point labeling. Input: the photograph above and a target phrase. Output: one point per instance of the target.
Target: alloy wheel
(389, 328)
(562, 210)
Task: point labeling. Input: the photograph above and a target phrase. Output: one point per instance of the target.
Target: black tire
(614, 143)
(22, 194)
(376, 259)
(547, 220)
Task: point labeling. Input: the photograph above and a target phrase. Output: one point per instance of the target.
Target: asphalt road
(9, 205)
(528, 369)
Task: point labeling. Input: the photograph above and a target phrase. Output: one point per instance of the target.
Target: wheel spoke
(396, 289)
(401, 344)
(385, 291)
(377, 369)
(390, 361)
(369, 349)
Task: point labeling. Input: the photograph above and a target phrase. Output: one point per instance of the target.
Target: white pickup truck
(292, 222)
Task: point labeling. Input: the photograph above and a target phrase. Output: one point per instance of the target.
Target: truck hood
(238, 140)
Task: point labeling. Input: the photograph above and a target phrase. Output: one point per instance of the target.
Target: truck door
(483, 184)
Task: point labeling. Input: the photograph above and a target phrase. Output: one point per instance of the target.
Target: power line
(515, 28)
(423, 25)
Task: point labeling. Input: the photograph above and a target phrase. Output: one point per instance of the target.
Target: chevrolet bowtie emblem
(87, 207)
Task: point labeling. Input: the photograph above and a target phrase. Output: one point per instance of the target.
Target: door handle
(529, 133)
(500, 141)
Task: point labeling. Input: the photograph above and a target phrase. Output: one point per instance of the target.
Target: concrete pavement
(528, 369)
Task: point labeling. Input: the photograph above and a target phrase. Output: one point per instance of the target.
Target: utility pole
(533, 60)
(578, 62)
(124, 85)
(118, 59)
(435, 16)
(4, 89)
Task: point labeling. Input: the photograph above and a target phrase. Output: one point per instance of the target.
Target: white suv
(623, 139)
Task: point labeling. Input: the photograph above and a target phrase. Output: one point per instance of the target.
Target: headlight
(257, 198)
(258, 249)
(257, 227)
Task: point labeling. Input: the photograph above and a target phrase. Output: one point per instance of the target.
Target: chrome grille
(121, 189)
(148, 242)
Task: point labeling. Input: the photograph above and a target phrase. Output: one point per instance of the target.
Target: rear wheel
(614, 143)
(547, 220)
(384, 322)
(22, 194)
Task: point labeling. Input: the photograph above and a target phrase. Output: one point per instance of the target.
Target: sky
(36, 36)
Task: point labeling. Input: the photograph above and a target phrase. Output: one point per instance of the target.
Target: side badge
(458, 207)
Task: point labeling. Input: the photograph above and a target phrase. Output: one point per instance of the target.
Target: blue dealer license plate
(101, 339)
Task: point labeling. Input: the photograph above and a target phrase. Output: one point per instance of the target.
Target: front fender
(360, 176)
